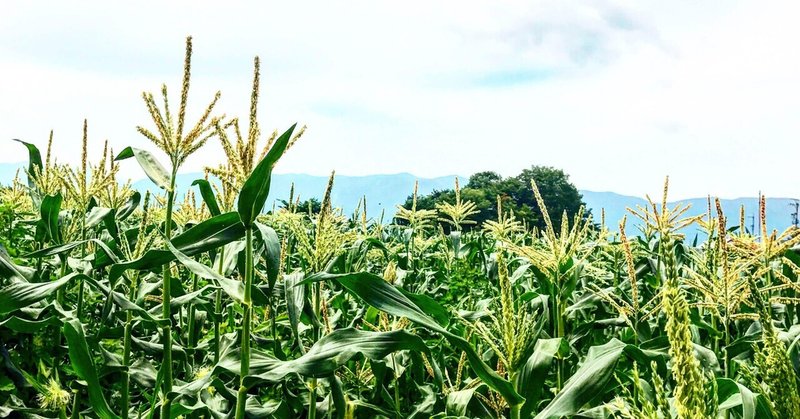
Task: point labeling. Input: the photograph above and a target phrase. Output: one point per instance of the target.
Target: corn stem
(166, 309)
(244, 365)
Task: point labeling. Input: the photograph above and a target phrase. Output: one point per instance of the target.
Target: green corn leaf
(328, 354)
(322, 360)
(122, 302)
(256, 188)
(749, 405)
(96, 215)
(208, 196)
(84, 367)
(107, 216)
(235, 289)
(157, 349)
(231, 257)
(23, 294)
(531, 377)
(272, 251)
(61, 249)
(587, 382)
(124, 211)
(34, 160)
(208, 235)
(152, 168)
(55, 250)
(425, 407)
(383, 296)
(271, 408)
(48, 223)
(21, 325)
(10, 270)
(458, 401)
(295, 299)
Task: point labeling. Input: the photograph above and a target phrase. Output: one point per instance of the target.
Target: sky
(617, 94)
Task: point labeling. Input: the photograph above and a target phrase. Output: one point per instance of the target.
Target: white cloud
(617, 94)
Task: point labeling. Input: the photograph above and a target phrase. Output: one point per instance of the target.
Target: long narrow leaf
(235, 289)
(332, 351)
(208, 235)
(383, 296)
(208, 196)
(256, 188)
(23, 294)
(587, 382)
(34, 160)
(83, 365)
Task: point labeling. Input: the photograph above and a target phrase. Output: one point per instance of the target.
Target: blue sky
(618, 94)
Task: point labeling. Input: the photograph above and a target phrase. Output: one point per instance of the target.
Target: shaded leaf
(83, 365)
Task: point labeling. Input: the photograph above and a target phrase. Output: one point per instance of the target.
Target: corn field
(117, 304)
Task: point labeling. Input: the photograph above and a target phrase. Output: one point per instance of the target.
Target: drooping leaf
(272, 251)
(34, 160)
(124, 211)
(328, 354)
(55, 250)
(383, 296)
(732, 395)
(157, 349)
(230, 256)
(458, 401)
(96, 215)
(235, 289)
(21, 325)
(23, 294)
(152, 168)
(104, 215)
(10, 270)
(208, 235)
(208, 196)
(122, 302)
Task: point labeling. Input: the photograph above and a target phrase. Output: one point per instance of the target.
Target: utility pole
(752, 224)
(758, 214)
(795, 204)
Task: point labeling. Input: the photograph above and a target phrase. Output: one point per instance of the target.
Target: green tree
(558, 192)
(483, 188)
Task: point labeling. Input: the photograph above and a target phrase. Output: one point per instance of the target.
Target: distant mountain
(779, 210)
(384, 192)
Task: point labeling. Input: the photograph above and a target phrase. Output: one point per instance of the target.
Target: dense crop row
(114, 304)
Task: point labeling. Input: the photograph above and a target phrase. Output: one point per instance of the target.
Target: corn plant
(116, 303)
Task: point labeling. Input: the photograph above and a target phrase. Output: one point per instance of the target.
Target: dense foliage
(484, 188)
(114, 304)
